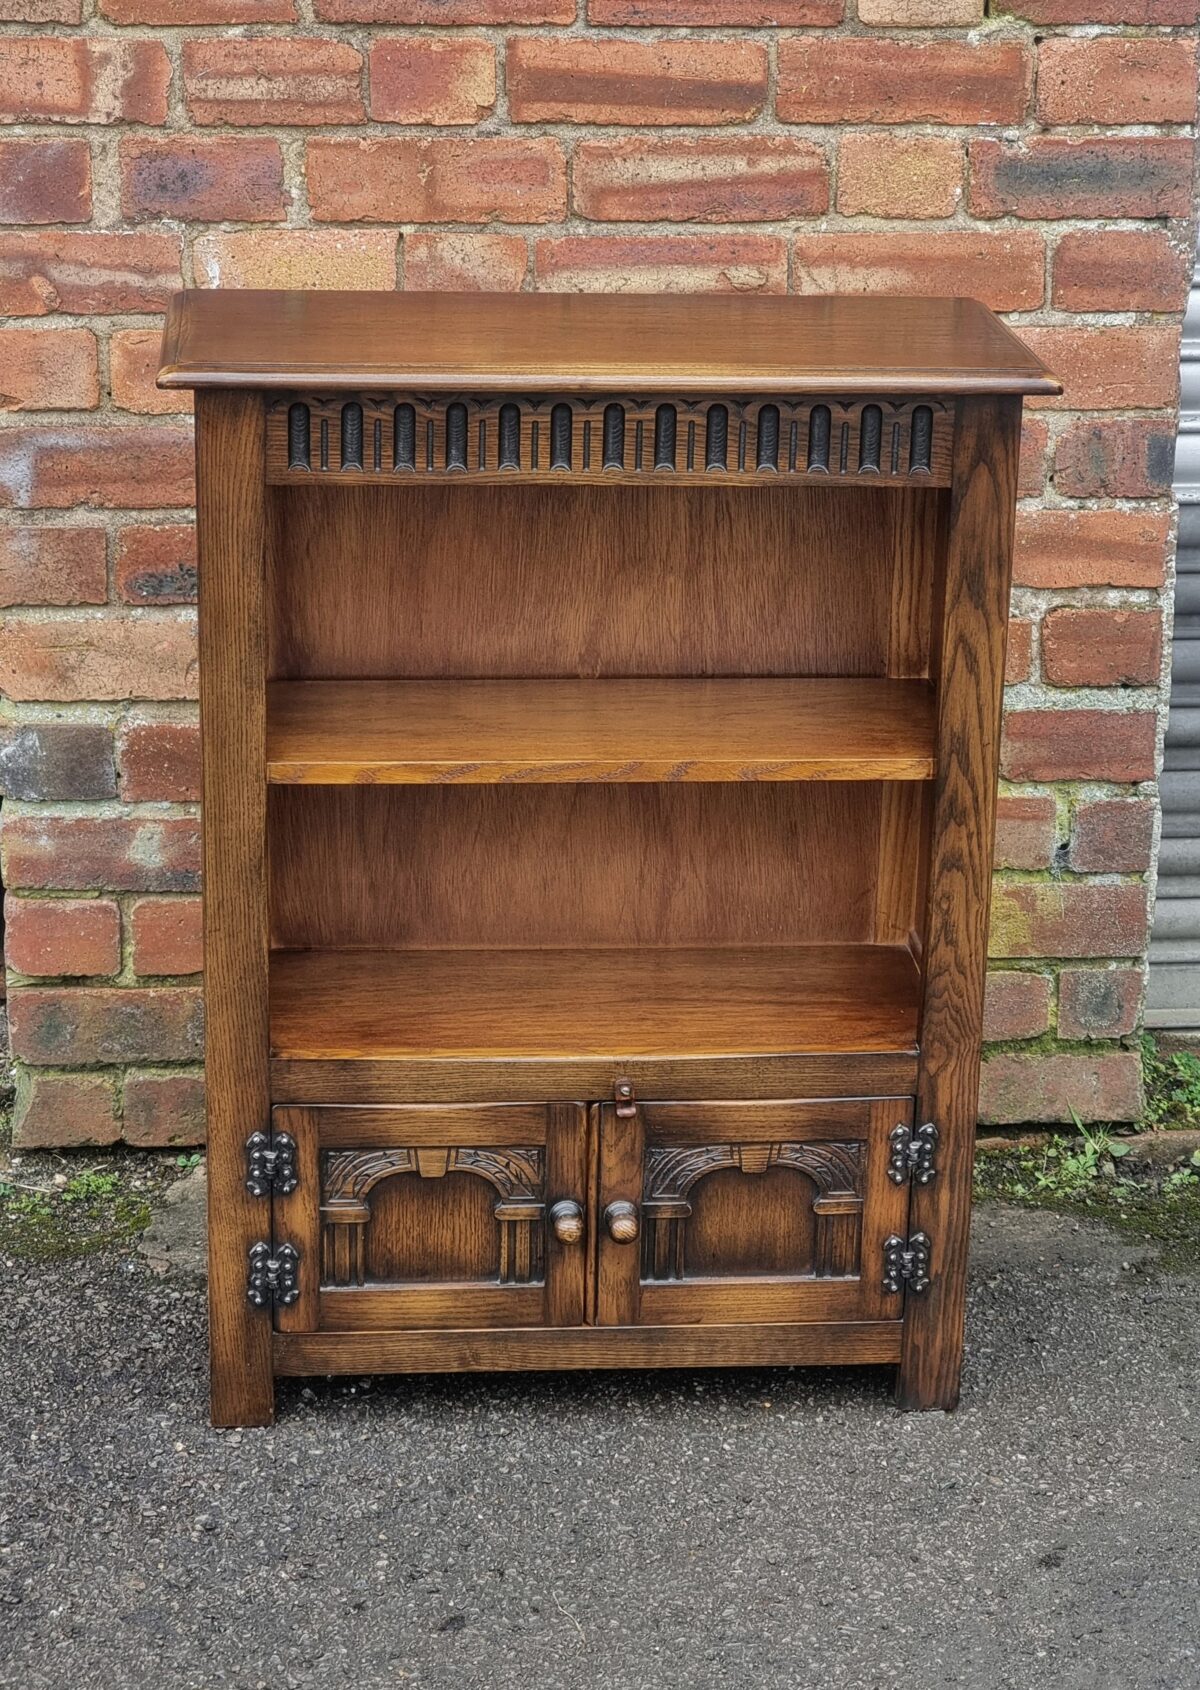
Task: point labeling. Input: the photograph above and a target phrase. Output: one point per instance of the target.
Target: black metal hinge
(912, 1152)
(271, 1164)
(273, 1275)
(906, 1262)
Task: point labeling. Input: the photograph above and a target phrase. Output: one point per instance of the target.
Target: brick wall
(1040, 159)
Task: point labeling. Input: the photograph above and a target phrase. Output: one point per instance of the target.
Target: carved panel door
(429, 1216)
(715, 1213)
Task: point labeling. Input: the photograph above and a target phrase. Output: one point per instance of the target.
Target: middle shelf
(483, 732)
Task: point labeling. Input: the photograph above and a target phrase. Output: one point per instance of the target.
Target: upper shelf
(593, 343)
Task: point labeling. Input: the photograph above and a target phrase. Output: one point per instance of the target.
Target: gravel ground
(771, 1529)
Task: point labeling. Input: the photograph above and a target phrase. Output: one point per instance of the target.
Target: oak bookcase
(600, 700)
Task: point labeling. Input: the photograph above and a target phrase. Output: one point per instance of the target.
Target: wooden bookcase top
(593, 343)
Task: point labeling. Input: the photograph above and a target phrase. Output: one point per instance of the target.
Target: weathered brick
(167, 936)
(1109, 369)
(134, 357)
(1112, 836)
(1085, 548)
(64, 1111)
(1034, 457)
(1138, 12)
(160, 761)
(90, 657)
(83, 79)
(431, 79)
(1018, 657)
(1078, 745)
(568, 79)
(920, 14)
(52, 566)
(44, 852)
(156, 565)
(46, 369)
(45, 181)
(1088, 647)
(462, 263)
(87, 1025)
(1113, 79)
(850, 80)
(1025, 831)
(439, 180)
(137, 468)
(882, 175)
(47, 762)
(704, 14)
(62, 936)
(717, 178)
(298, 258)
(1110, 176)
(1099, 1003)
(172, 12)
(447, 11)
(41, 11)
(1067, 919)
(272, 79)
(1016, 1005)
(662, 264)
(1116, 458)
(161, 1110)
(1120, 270)
(87, 273)
(1060, 1087)
(203, 178)
(1004, 270)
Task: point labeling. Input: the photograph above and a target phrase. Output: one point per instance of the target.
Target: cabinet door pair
(420, 1217)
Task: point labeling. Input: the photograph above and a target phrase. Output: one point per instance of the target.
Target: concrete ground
(770, 1529)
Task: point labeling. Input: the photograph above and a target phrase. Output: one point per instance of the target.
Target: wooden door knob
(621, 1219)
(566, 1218)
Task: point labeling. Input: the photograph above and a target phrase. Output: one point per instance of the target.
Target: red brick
(702, 14)
(62, 936)
(298, 258)
(272, 79)
(1101, 648)
(47, 762)
(451, 180)
(1151, 12)
(45, 852)
(52, 566)
(1109, 369)
(63, 79)
(884, 175)
(161, 1110)
(138, 468)
(171, 12)
(41, 11)
(1005, 270)
(134, 357)
(920, 14)
(432, 79)
(1067, 919)
(98, 657)
(81, 1025)
(1019, 655)
(1120, 270)
(847, 81)
(47, 369)
(1078, 745)
(1113, 79)
(160, 762)
(1060, 1088)
(461, 263)
(1026, 835)
(156, 565)
(662, 264)
(446, 11)
(1034, 457)
(1116, 458)
(1111, 176)
(204, 178)
(1112, 836)
(87, 273)
(64, 1111)
(45, 182)
(167, 936)
(718, 178)
(1082, 548)
(570, 79)
(1099, 1003)
(1016, 1005)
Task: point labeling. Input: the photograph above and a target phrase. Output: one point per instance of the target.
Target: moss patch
(53, 1208)
(1172, 1079)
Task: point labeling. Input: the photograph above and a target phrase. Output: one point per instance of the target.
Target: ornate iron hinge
(912, 1152)
(273, 1275)
(271, 1164)
(906, 1262)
